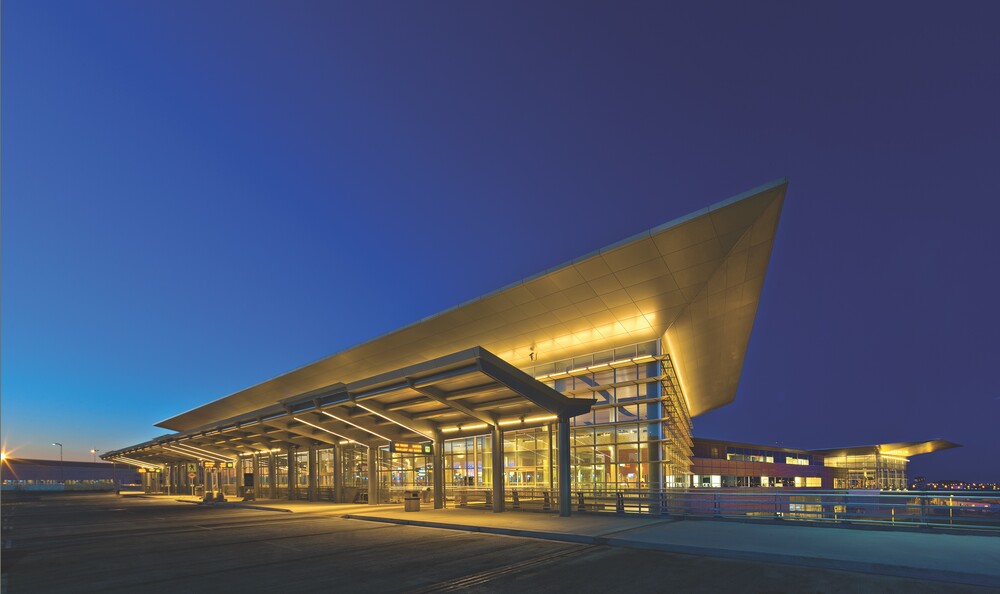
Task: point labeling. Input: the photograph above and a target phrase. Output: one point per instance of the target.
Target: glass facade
(869, 471)
(638, 434)
(636, 437)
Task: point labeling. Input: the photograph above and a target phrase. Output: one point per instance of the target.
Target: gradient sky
(200, 196)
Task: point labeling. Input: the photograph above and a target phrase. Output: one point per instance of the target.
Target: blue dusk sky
(199, 196)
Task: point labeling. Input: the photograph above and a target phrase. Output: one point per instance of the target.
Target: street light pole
(94, 452)
(62, 475)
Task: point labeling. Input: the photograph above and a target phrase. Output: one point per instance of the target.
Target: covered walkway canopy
(470, 392)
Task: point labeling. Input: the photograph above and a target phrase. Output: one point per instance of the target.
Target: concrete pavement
(957, 558)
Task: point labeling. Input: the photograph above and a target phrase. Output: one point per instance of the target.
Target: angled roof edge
(618, 244)
(909, 448)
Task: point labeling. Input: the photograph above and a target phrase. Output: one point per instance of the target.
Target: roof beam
(403, 420)
(388, 433)
(342, 430)
(304, 431)
(527, 386)
(441, 397)
(437, 412)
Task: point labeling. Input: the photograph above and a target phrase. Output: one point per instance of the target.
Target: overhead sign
(410, 448)
(216, 464)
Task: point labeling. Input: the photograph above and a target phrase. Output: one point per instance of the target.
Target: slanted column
(373, 494)
(438, 462)
(562, 450)
(293, 473)
(498, 469)
(312, 473)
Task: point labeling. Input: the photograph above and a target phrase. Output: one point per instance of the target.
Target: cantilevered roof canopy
(694, 281)
(456, 394)
(906, 448)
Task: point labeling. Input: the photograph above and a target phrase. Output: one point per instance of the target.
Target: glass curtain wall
(281, 474)
(869, 471)
(529, 464)
(638, 435)
(263, 486)
(468, 469)
(410, 472)
(302, 474)
(324, 474)
(354, 472)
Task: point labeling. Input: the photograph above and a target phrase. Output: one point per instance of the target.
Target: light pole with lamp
(62, 476)
(94, 452)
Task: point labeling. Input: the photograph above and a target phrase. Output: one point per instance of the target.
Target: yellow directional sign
(410, 448)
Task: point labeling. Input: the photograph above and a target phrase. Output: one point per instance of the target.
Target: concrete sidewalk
(958, 558)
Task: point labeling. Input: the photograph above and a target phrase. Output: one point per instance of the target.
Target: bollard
(517, 501)
(619, 502)
(580, 506)
(489, 498)
(546, 501)
(463, 499)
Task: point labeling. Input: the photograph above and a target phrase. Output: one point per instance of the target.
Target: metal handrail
(947, 509)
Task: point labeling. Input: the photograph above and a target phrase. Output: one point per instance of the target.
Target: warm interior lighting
(598, 367)
(544, 418)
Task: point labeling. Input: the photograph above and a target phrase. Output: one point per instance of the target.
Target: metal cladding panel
(708, 339)
(695, 280)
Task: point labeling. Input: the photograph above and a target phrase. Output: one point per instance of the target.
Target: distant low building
(721, 464)
(23, 474)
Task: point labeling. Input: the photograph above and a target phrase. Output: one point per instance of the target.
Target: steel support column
(562, 450)
(293, 473)
(272, 476)
(338, 476)
(373, 487)
(498, 469)
(438, 463)
(550, 463)
(312, 473)
(254, 459)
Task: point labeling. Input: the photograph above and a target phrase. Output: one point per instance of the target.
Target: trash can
(411, 501)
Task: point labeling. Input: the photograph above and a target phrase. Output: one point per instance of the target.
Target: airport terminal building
(577, 382)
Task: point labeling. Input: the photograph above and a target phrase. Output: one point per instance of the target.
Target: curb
(972, 579)
(236, 504)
